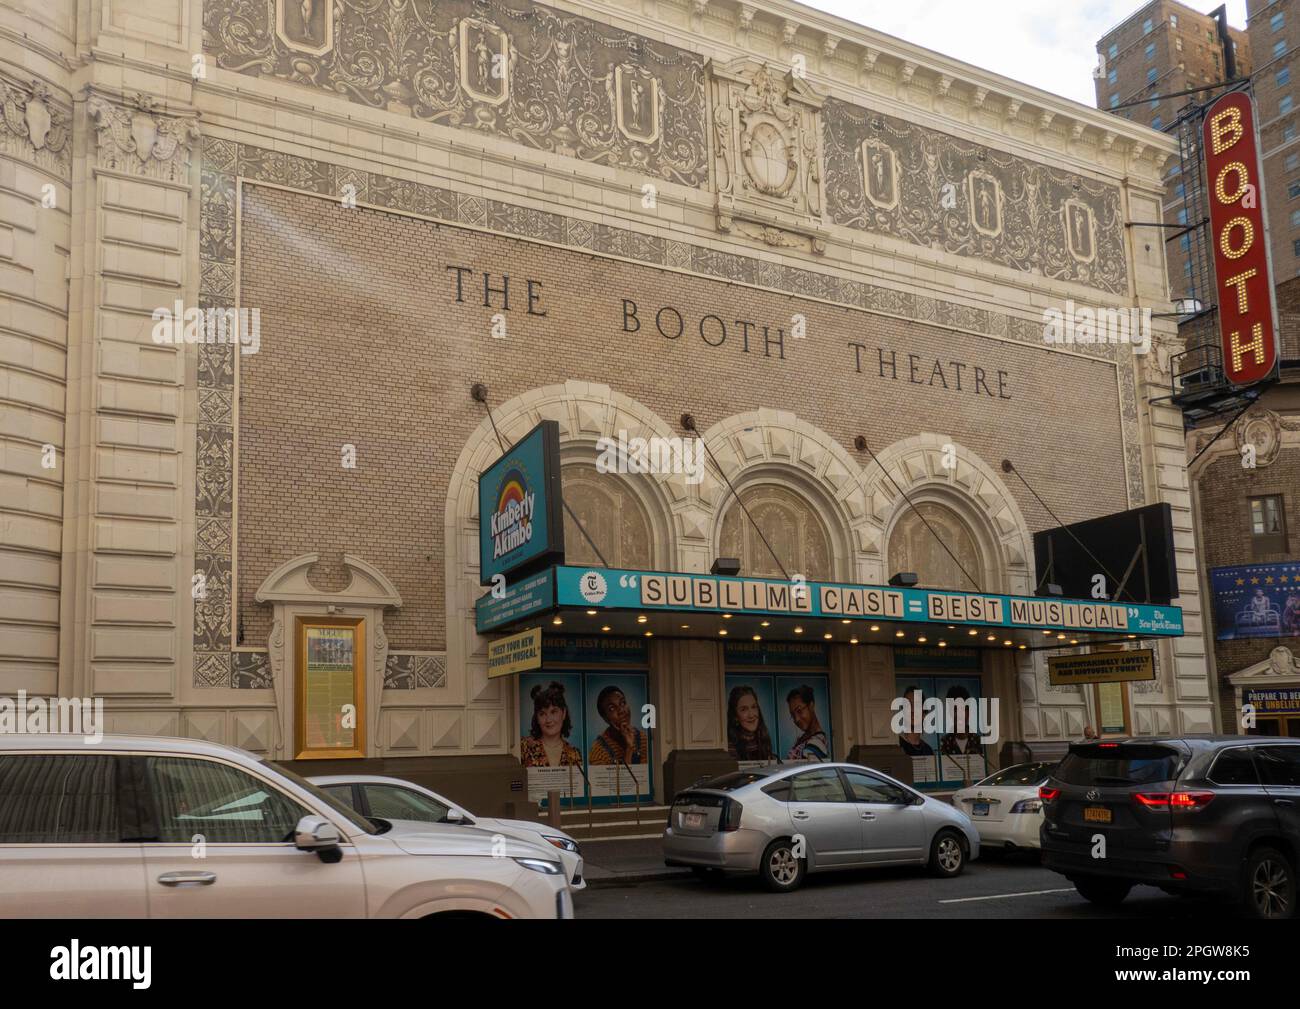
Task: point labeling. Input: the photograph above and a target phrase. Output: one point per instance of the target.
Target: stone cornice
(883, 59)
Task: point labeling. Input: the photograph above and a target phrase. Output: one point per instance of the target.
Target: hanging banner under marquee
(520, 507)
(1239, 243)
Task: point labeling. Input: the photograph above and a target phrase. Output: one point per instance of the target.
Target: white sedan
(411, 808)
(1005, 807)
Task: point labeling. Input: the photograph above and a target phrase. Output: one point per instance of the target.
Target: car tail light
(730, 818)
(1028, 806)
(1047, 793)
(1174, 800)
(1176, 873)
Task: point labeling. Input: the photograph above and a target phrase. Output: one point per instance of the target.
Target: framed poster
(750, 719)
(618, 745)
(1112, 709)
(803, 714)
(329, 688)
(551, 734)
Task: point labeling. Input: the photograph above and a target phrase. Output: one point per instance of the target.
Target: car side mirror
(315, 833)
(455, 816)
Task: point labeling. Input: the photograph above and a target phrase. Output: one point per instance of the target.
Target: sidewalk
(615, 863)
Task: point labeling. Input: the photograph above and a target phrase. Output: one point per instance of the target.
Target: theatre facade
(827, 268)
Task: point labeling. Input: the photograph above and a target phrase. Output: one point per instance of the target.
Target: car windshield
(734, 780)
(1118, 765)
(345, 811)
(1022, 774)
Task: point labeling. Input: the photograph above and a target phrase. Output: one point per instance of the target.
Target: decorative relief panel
(136, 137)
(34, 127)
(413, 670)
(529, 73)
(767, 157)
(893, 178)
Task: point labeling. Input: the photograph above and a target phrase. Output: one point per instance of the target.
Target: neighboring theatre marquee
(1247, 331)
(610, 588)
(520, 508)
(1102, 667)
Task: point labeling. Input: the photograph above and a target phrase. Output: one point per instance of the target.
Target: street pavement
(999, 886)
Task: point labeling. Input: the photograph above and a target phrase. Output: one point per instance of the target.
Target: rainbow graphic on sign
(512, 524)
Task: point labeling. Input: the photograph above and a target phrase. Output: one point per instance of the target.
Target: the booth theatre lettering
(496, 292)
(713, 329)
(955, 376)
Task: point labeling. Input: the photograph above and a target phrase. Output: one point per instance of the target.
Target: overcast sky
(1050, 44)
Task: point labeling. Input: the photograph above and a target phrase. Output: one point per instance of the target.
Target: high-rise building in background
(1274, 32)
(1147, 64)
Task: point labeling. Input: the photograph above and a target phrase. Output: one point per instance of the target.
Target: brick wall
(363, 343)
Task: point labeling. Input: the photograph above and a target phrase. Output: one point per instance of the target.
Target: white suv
(144, 827)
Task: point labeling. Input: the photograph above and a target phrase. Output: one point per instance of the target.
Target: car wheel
(947, 854)
(707, 873)
(1103, 891)
(781, 870)
(1270, 890)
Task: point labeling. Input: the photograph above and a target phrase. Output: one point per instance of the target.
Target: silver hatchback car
(786, 821)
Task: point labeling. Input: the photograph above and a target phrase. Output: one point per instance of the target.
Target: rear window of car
(733, 780)
(1119, 765)
(1022, 774)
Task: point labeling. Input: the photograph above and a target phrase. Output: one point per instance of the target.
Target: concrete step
(610, 823)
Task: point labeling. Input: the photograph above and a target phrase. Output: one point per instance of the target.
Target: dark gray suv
(1192, 814)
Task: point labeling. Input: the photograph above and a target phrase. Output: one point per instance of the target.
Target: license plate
(981, 809)
(1096, 814)
(693, 820)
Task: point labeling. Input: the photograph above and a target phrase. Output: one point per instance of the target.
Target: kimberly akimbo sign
(1102, 667)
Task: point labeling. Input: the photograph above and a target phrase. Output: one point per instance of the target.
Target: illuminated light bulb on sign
(1247, 332)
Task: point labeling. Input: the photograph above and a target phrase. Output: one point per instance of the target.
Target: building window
(789, 523)
(1187, 267)
(1288, 133)
(1292, 162)
(1295, 218)
(1283, 77)
(1267, 525)
(1182, 217)
(1173, 20)
(1180, 191)
(1114, 101)
(1276, 22)
(1293, 190)
(1113, 51)
(1295, 248)
(1146, 27)
(1284, 106)
(1150, 51)
(1185, 243)
(1151, 76)
(1157, 123)
(913, 546)
(1112, 77)
(1279, 47)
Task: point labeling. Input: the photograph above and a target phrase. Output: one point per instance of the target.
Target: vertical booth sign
(1243, 284)
(521, 508)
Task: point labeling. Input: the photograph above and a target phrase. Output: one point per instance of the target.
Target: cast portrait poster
(618, 741)
(751, 718)
(803, 717)
(551, 733)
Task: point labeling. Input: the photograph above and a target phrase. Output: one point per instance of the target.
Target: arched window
(612, 516)
(913, 547)
(791, 526)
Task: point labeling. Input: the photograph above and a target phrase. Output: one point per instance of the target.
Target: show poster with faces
(778, 718)
(948, 757)
(585, 733)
